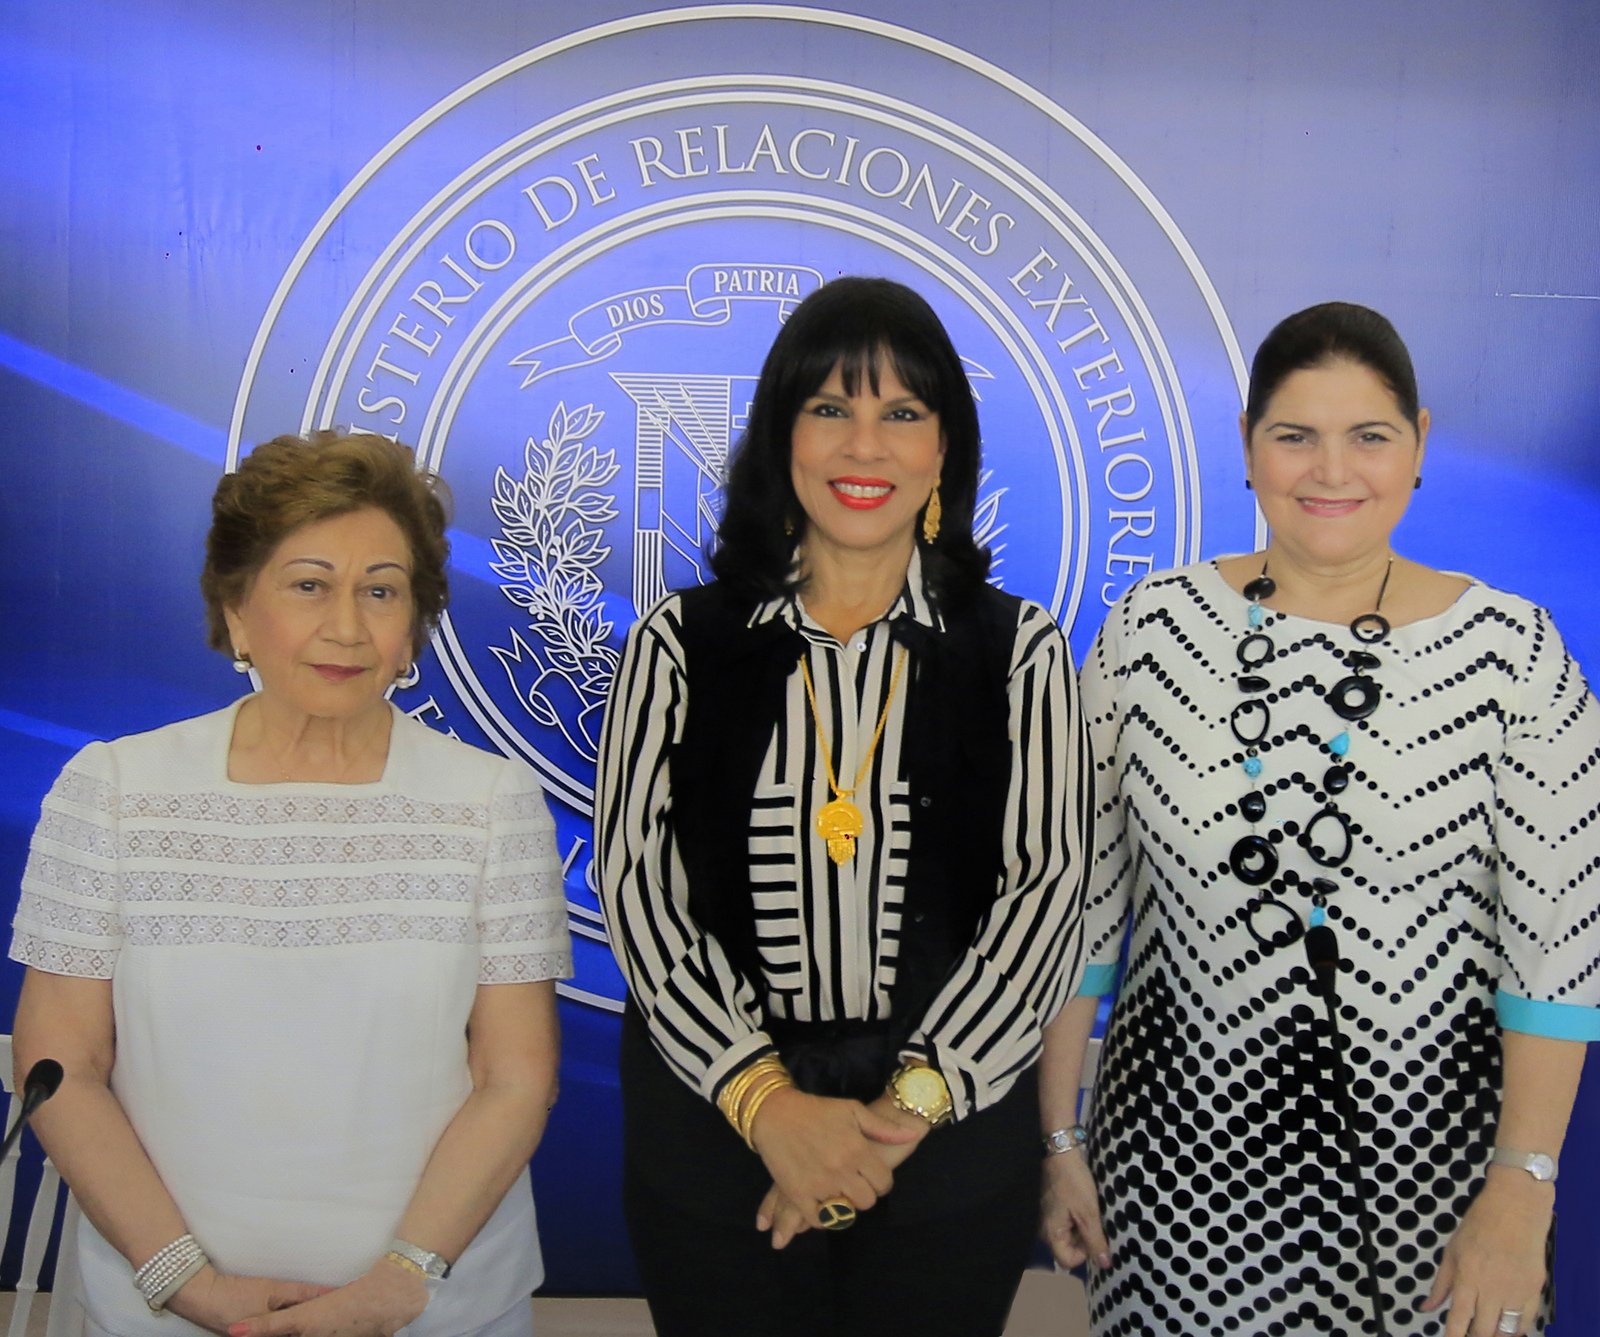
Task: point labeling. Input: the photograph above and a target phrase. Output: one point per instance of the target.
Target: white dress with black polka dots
(1469, 899)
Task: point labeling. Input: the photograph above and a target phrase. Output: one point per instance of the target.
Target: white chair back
(65, 1316)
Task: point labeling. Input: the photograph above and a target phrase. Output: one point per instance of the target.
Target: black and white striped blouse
(828, 934)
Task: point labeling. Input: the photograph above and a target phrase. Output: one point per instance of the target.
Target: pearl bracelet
(167, 1270)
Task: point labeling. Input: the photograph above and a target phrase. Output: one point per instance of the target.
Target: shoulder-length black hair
(850, 323)
(1331, 332)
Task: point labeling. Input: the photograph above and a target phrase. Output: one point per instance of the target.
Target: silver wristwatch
(1536, 1163)
(433, 1265)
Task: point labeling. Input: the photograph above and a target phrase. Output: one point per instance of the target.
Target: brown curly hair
(291, 481)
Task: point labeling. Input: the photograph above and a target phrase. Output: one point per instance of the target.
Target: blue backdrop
(550, 252)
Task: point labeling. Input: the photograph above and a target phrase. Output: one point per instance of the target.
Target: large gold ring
(836, 1214)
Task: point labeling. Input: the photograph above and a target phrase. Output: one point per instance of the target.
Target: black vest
(956, 760)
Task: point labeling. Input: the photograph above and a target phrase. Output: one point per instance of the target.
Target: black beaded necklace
(1254, 857)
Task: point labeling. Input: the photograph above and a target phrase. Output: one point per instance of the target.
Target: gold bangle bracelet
(754, 1107)
(735, 1091)
(755, 1096)
(734, 1088)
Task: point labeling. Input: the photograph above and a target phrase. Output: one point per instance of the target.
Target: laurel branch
(553, 543)
(986, 525)
(552, 522)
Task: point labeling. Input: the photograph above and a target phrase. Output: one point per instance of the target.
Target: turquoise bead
(1257, 615)
(1318, 916)
(1340, 744)
(1252, 766)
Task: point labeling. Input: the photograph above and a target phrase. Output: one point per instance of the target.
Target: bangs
(860, 326)
(865, 362)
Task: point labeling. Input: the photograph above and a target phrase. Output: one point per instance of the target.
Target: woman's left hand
(376, 1304)
(1494, 1264)
(1069, 1216)
(778, 1214)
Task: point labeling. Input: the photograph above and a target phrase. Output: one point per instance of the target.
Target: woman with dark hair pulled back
(1347, 815)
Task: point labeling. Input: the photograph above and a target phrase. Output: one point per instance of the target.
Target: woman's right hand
(380, 1302)
(818, 1147)
(1070, 1215)
(216, 1300)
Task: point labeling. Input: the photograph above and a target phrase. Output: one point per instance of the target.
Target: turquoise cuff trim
(1098, 981)
(1554, 1021)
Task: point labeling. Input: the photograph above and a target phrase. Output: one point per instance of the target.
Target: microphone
(1322, 954)
(41, 1083)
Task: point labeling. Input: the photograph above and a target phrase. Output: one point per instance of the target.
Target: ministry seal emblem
(575, 265)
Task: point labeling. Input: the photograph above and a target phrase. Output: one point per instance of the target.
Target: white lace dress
(293, 966)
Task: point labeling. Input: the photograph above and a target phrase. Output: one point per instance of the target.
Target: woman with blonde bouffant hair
(297, 956)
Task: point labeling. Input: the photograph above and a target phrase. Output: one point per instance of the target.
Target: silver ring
(1510, 1320)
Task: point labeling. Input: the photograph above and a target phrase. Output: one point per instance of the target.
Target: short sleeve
(522, 907)
(1113, 862)
(1547, 830)
(69, 915)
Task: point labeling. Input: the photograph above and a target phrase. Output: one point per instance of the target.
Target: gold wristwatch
(921, 1090)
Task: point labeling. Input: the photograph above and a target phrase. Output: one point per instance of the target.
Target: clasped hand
(818, 1148)
(376, 1304)
(218, 1300)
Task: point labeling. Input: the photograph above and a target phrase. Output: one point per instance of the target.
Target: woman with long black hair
(841, 817)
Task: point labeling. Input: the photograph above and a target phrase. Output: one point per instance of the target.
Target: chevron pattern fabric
(1473, 880)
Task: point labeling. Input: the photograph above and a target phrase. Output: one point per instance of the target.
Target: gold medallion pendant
(839, 823)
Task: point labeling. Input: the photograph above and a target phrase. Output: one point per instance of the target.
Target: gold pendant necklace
(839, 822)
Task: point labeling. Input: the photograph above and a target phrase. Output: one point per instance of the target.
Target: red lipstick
(861, 494)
